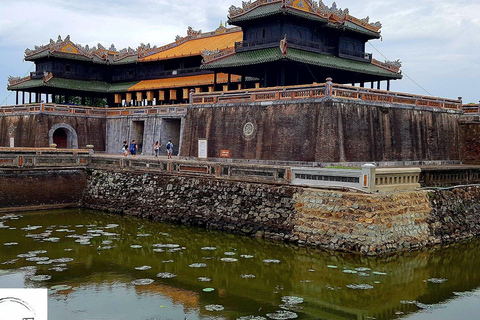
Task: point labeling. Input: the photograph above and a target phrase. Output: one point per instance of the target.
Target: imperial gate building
(231, 86)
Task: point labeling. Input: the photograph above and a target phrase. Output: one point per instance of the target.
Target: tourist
(125, 148)
(169, 149)
(133, 148)
(156, 148)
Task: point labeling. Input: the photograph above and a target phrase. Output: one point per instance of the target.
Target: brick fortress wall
(470, 133)
(32, 130)
(323, 130)
(31, 189)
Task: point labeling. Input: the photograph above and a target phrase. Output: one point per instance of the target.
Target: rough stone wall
(326, 130)
(32, 130)
(455, 214)
(355, 222)
(37, 188)
(247, 208)
(370, 224)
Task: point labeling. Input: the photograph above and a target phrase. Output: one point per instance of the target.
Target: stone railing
(242, 172)
(395, 179)
(368, 179)
(265, 94)
(471, 108)
(448, 176)
(325, 90)
(43, 157)
(92, 111)
(375, 95)
(342, 178)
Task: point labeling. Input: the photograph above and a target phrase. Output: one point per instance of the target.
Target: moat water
(103, 266)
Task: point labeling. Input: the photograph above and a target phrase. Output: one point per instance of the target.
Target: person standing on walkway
(156, 148)
(169, 149)
(125, 148)
(133, 148)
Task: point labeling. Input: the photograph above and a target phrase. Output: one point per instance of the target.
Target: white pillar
(368, 177)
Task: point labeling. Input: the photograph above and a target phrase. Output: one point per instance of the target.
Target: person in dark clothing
(133, 148)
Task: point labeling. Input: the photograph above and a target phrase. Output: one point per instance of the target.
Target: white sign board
(12, 142)
(202, 148)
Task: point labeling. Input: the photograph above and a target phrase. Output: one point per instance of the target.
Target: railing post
(368, 177)
(190, 97)
(328, 87)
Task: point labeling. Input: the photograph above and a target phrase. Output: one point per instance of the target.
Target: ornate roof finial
(221, 28)
(192, 32)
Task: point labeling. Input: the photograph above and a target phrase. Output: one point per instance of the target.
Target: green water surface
(103, 266)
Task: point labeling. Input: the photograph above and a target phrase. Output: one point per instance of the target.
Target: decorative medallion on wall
(249, 130)
(11, 130)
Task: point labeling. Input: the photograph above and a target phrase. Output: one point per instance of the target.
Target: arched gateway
(63, 135)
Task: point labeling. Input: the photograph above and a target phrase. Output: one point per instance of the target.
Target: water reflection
(99, 265)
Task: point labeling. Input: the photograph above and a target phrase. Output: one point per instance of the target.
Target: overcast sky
(438, 41)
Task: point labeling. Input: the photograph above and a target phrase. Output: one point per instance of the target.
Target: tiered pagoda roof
(306, 9)
(209, 58)
(194, 44)
(264, 50)
(68, 50)
(261, 56)
(104, 87)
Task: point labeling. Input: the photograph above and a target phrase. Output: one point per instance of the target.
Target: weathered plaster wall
(155, 128)
(369, 224)
(32, 130)
(323, 130)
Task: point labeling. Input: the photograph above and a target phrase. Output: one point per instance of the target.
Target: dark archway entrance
(63, 135)
(60, 138)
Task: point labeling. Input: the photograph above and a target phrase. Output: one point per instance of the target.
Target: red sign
(224, 153)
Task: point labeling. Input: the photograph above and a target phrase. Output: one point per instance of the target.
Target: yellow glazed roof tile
(183, 82)
(195, 46)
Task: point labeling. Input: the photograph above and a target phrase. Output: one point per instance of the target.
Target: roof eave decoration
(316, 8)
(98, 54)
(393, 66)
(214, 55)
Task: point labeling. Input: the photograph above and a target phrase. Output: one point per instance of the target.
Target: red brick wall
(328, 131)
(32, 130)
(470, 135)
(26, 188)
